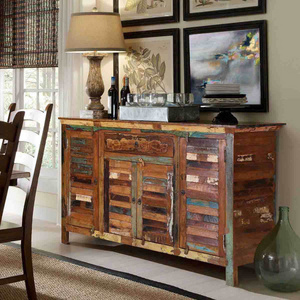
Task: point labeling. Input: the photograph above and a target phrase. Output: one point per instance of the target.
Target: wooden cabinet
(198, 191)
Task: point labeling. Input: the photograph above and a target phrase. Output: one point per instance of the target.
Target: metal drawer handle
(133, 200)
(139, 201)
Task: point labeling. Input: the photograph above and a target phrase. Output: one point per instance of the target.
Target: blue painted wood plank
(202, 203)
(201, 248)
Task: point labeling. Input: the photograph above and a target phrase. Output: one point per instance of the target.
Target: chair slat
(30, 137)
(23, 184)
(32, 115)
(7, 131)
(24, 159)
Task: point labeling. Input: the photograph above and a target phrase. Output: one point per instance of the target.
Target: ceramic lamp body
(277, 258)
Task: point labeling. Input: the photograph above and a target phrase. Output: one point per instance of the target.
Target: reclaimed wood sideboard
(199, 191)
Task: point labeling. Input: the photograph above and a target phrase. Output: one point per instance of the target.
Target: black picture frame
(152, 21)
(175, 33)
(188, 16)
(264, 82)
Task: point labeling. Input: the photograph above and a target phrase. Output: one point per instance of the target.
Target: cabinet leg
(232, 276)
(64, 236)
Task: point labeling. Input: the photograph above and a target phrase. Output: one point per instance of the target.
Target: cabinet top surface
(164, 126)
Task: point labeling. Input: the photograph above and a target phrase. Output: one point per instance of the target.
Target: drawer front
(82, 178)
(140, 144)
(203, 216)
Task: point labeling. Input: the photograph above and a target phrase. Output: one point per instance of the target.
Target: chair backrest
(10, 135)
(33, 163)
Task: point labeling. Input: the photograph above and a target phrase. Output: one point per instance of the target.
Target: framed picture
(229, 53)
(207, 9)
(152, 61)
(147, 12)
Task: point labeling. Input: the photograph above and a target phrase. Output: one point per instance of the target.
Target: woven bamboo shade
(28, 33)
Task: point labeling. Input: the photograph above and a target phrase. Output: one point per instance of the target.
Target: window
(6, 92)
(34, 88)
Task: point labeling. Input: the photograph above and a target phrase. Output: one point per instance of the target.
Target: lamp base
(95, 104)
(93, 114)
(95, 87)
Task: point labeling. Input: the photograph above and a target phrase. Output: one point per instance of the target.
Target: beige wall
(284, 79)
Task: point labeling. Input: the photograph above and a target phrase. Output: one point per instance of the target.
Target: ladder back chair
(29, 186)
(10, 135)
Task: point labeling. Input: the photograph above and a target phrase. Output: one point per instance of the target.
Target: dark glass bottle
(277, 258)
(125, 91)
(113, 101)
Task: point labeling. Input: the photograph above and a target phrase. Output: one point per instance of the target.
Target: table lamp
(95, 34)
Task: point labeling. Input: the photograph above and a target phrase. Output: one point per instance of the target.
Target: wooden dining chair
(12, 232)
(9, 134)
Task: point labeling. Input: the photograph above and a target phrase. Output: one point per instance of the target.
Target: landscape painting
(199, 9)
(234, 56)
(147, 12)
(150, 62)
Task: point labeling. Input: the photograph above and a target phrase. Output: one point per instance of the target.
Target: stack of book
(218, 93)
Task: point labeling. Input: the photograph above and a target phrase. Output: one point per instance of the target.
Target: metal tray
(160, 114)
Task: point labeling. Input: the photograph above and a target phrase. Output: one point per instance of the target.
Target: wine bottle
(113, 103)
(125, 91)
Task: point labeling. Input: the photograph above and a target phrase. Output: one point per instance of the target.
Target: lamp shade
(95, 31)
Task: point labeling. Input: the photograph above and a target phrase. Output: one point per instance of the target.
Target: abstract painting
(204, 9)
(151, 61)
(230, 53)
(148, 12)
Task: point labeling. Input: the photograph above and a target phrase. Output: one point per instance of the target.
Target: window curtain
(28, 33)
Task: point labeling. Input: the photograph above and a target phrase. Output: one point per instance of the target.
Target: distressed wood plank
(120, 217)
(155, 202)
(120, 190)
(203, 248)
(192, 230)
(154, 217)
(120, 224)
(120, 204)
(211, 158)
(205, 188)
(202, 240)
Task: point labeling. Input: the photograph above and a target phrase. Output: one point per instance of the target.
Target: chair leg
(28, 269)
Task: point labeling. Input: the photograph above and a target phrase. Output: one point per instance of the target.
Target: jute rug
(58, 277)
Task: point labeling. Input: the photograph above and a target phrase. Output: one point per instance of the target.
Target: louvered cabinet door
(203, 195)
(82, 180)
(119, 198)
(155, 185)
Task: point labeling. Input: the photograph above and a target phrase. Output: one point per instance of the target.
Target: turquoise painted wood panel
(202, 203)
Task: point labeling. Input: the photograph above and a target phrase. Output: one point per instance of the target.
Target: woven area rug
(58, 277)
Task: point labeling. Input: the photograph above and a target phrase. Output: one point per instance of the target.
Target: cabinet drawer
(140, 144)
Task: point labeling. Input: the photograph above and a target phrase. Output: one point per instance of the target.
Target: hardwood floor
(190, 275)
